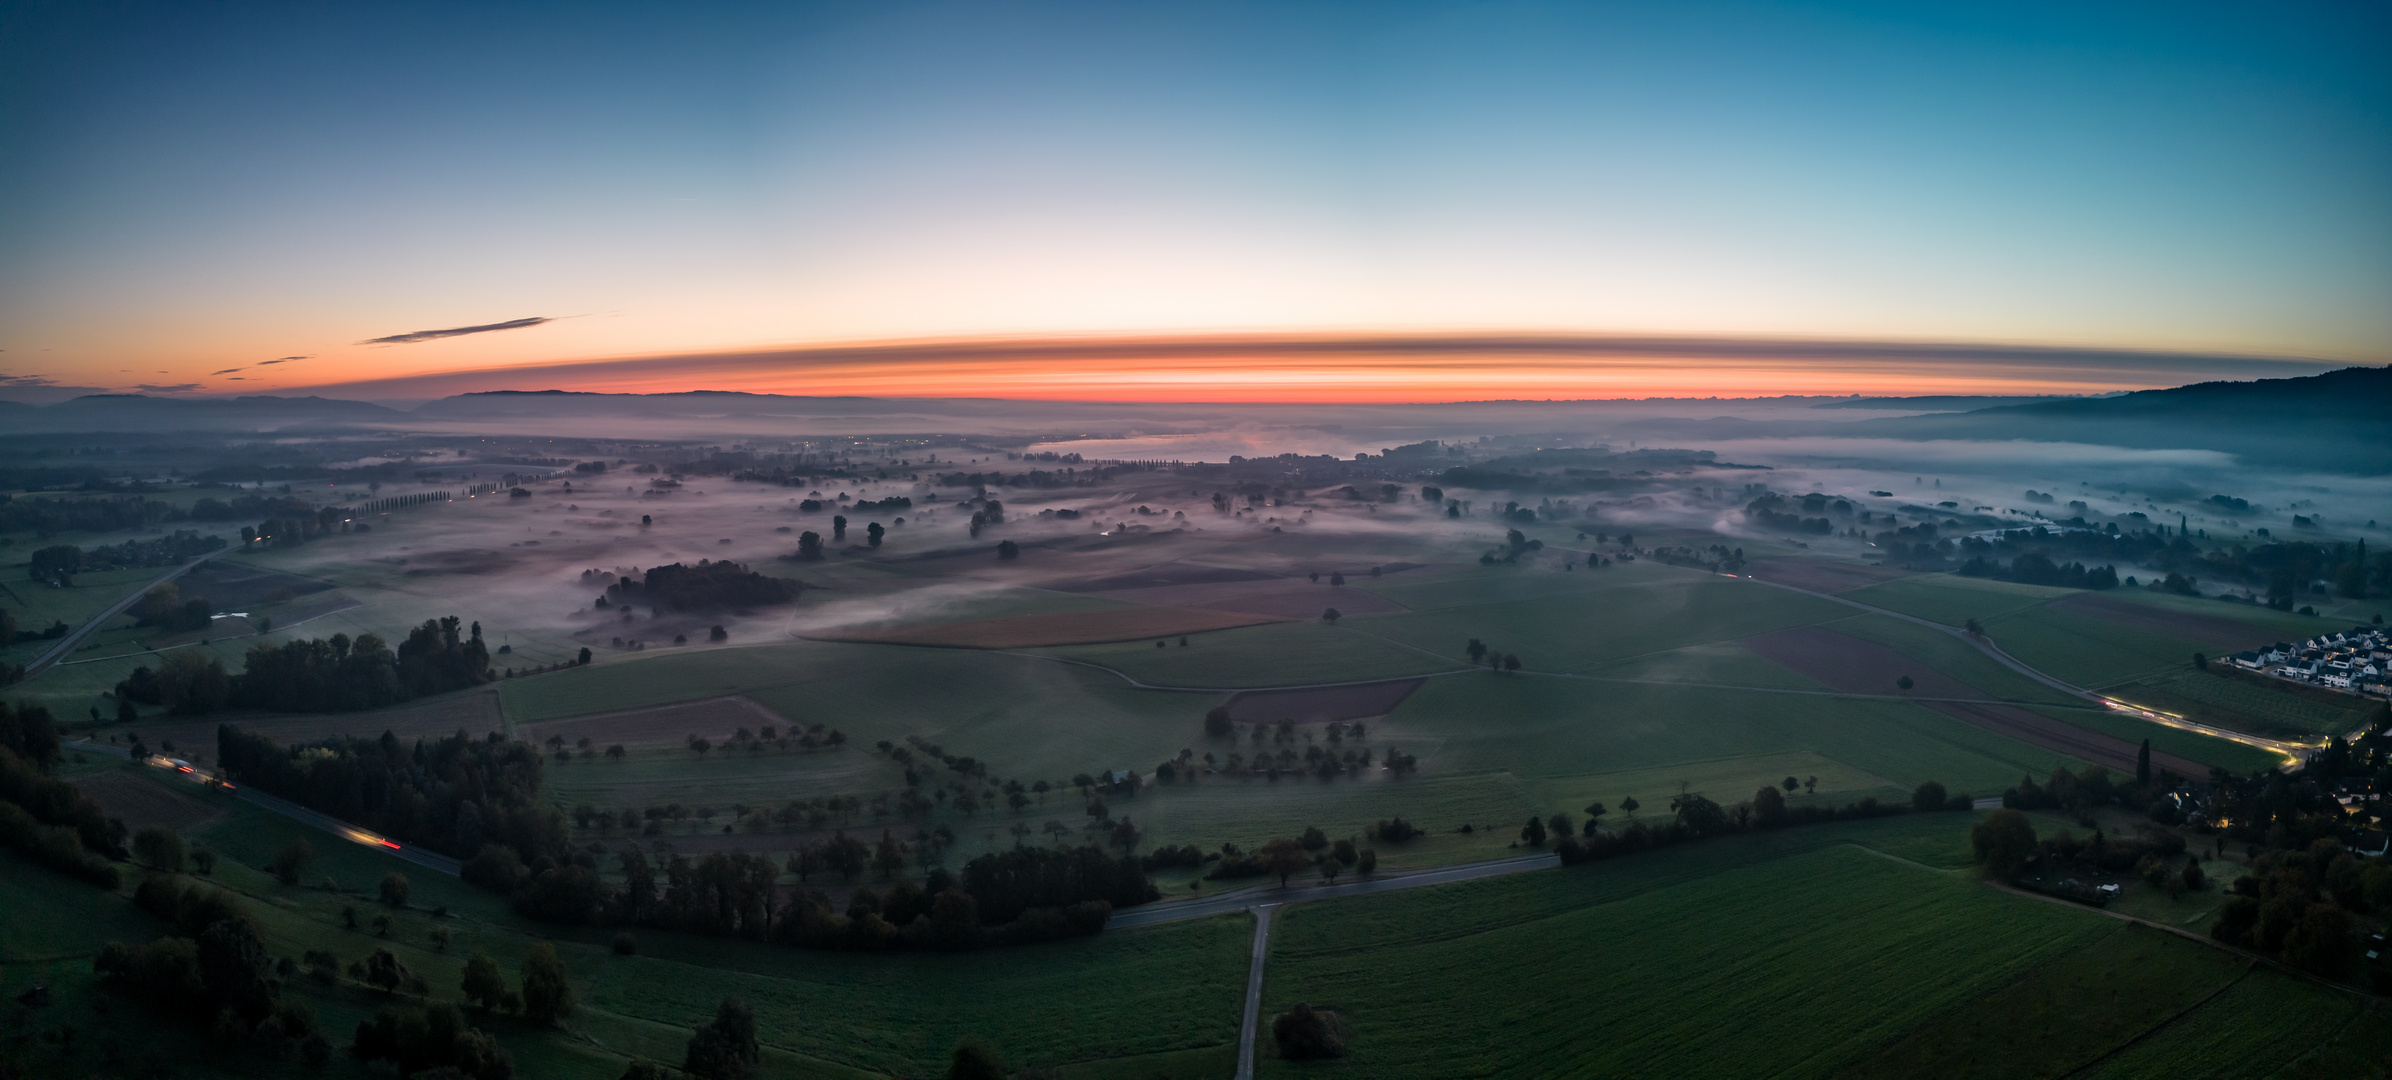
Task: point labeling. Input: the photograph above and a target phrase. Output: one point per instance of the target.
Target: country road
(2295, 752)
(55, 652)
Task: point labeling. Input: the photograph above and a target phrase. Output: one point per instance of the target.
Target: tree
(2143, 765)
(1790, 784)
(394, 889)
(1217, 723)
(973, 1060)
(483, 985)
(1511, 662)
(1904, 682)
(873, 533)
(1628, 806)
(547, 995)
(724, 1048)
(1367, 861)
(192, 683)
(1007, 549)
(1559, 825)
(159, 849)
(1306, 1033)
(616, 752)
(2003, 841)
(1769, 805)
(235, 969)
(1975, 629)
(292, 861)
(1929, 796)
(888, 856)
(1283, 857)
(838, 526)
(1594, 814)
(809, 546)
(1810, 786)
(1126, 835)
(1533, 833)
(1330, 616)
(954, 920)
(584, 661)
(1477, 650)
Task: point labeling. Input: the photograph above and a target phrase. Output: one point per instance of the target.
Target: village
(2356, 661)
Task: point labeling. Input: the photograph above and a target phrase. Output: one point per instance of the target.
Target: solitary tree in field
(2003, 841)
(725, 1048)
(159, 849)
(1533, 833)
(1975, 629)
(292, 860)
(873, 532)
(547, 995)
(616, 752)
(2143, 764)
(394, 889)
(1217, 723)
(1904, 682)
(483, 984)
(1628, 806)
(1330, 616)
(1810, 786)
(1790, 784)
(1511, 662)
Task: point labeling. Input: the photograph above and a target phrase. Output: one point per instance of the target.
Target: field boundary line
(2171, 1021)
(1903, 861)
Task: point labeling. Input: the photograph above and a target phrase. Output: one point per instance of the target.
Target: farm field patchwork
(1949, 655)
(1275, 654)
(2086, 651)
(1058, 628)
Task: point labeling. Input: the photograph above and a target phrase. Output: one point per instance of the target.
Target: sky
(1190, 201)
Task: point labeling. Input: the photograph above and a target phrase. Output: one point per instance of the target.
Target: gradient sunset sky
(1380, 201)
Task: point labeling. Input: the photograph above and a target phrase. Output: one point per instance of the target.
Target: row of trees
(1694, 817)
(336, 674)
(708, 586)
(1025, 894)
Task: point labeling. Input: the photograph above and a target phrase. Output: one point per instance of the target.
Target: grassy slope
(1620, 968)
(1949, 655)
(2084, 650)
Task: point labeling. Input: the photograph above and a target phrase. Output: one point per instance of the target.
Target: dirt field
(1866, 667)
(1822, 575)
(2226, 634)
(475, 711)
(1289, 598)
(235, 585)
(665, 725)
(142, 801)
(1324, 704)
(1062, 628)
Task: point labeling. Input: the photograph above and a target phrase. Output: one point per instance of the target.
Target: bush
(2003, 841)
(394, 889)
(1305, 1033)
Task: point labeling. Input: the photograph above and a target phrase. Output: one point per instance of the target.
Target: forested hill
(2332, 422)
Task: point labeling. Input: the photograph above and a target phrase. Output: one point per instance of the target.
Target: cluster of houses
(2358, 661)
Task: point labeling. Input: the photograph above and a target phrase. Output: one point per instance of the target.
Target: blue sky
(194, 189)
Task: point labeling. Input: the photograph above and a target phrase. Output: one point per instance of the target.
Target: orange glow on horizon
(1353, 370)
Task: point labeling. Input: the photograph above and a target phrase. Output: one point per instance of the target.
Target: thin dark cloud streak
(454, 331)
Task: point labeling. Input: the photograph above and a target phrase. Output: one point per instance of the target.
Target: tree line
(708, 586)
(46, 819)
(1694, 817)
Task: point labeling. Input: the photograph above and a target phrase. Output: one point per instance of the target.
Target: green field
(1953, 600)
(1549, 726)
(2084, 650)
(1718, 663)
(1622, 968)
(2067, 1015)
(2267, 1024)
(1577, 631)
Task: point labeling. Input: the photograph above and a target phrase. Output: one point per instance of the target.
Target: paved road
(427, 859)
(1262, 943)
(79, 633)
(1260, 895)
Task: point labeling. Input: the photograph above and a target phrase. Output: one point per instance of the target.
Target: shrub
(1305, 1033)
